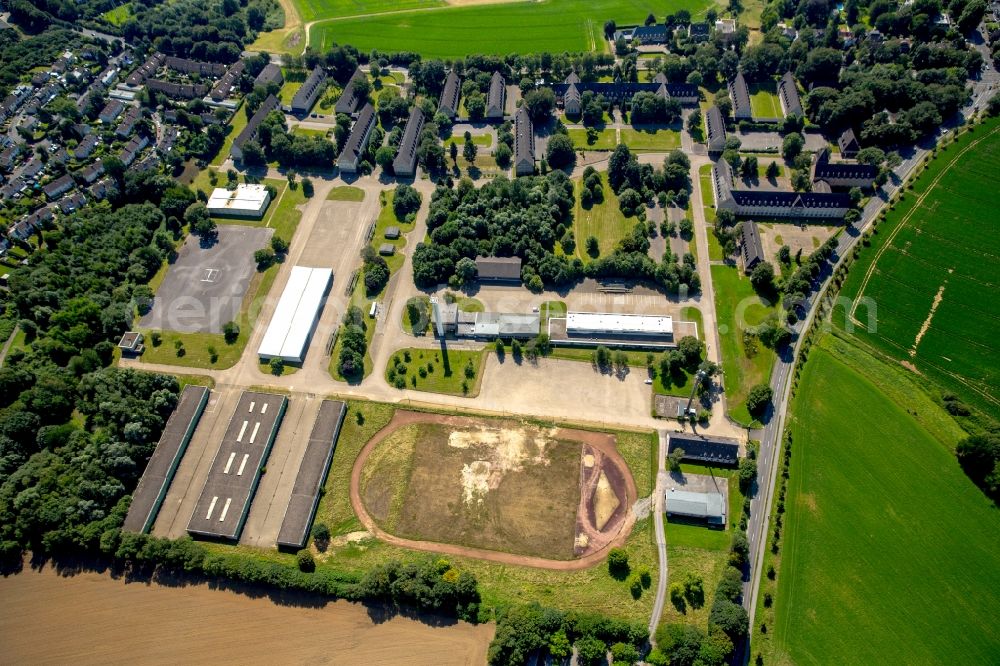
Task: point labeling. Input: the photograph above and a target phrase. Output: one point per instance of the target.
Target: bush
(591, 651)
(304, 560)
(624, 653)
(635, 586)
(231, 332)
(618, 565)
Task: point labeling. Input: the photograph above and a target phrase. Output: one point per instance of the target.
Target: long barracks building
(761, 203)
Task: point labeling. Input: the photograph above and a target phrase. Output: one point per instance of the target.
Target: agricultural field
(515, 27)
(494, 486)
(603, 220)
(745, 361)
(889, 553)
(653, 139)
(932, 270)
(312, 10)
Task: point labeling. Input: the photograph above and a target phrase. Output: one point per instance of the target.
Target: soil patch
(477, 487)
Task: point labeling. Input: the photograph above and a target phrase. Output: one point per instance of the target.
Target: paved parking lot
(204, 287)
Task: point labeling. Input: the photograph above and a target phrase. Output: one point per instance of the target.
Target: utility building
(590, 324)
(294, 319)
(710, 507)
(245, 201)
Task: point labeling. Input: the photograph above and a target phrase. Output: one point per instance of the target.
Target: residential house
(249, 132)
(146, 70)
(405, 163)
(788, 95)
(129, 120)
(111, 111)
(448, 104)
(177, 90)
(306, 96)
(524, 144)
(350, 100)
(72, 203)
(224, 85)
(186, 66)
(751, 249)
(842, 174)
(58, 187)
(270, 74)
(715, 131)
(132, 149)
(784, 204)
(91, 172)
(497, 97)
(86, 147)
(740, 95)
(848, 144)
(357, 142)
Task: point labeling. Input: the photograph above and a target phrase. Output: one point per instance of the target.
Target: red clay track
(600, 441)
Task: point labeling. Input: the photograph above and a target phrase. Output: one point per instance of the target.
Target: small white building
(592, 324)
(244, 201)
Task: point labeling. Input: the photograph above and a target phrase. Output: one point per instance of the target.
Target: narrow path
(6, 346)
(661, 537)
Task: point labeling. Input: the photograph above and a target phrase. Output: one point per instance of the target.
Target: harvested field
(91, 618)
(500, 490)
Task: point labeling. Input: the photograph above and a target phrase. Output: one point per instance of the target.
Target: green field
(890, 554)
(517, 27)
(764, 101)
(312, 10)
(603, 220)
(650, 139)
(440, 370)
(346, 193)
(605, 139)
(935, 263)
(236, 125)
(118, 15)
(738, 308)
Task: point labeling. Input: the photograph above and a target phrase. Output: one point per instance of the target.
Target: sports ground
(545, 493)
(931, 268)
(890, 554)
(436, 29)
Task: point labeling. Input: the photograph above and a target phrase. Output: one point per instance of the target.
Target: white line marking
(211, 508)
(225, 509)
(246, 456)
(252, 403)
(253, 435)
(263, 408)
(239, 438)
(229, 463)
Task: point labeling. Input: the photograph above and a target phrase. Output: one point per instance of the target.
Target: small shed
(392, 233)
(387, 249)
(131, 343)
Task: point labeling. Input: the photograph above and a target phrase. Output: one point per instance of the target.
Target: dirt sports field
(498, 490)
(91, 618)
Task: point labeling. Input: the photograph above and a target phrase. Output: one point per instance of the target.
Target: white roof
(244, 197)
(296, 314)
(600, 322)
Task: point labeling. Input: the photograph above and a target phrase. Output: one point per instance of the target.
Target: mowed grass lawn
(516, 27)
(943, 248)
(605, 139)
(890, 554)
(764, 101)
(603, 220)
(657, 139)
(739, 308)
(448, 371)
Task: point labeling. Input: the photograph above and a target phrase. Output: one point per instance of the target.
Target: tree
(384, 157)
(279, 245)
(466, 271)
(978, 455)
(785, 255)
(675, 458)
(592, 246)
(791, 147)
(539, 103)
(196, 215)
(748, 472)
(502, 154)
(307, 188)
(758, 399)
(591, 651)
(469, 151)
(320, 532)
(694, 120)
(560, 152)
(618, 565)
(690, 349)
(624, 653)
(730, 617)
(277, 366)
(406, 202)
(559, 645)
(762, 278)
(609, 29)
(453, 151)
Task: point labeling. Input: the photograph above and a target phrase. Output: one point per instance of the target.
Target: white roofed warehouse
(245, 201)
(600, 323)
(294, 319)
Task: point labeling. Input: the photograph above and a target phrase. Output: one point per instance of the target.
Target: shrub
(618, 565)
(304, 560)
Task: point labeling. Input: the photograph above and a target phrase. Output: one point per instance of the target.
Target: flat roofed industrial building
(312, 475)
(224, 503)
(710, 507)
(711, 450)
(245, 201)
(148, 496)
(296, 314)
(600, 323)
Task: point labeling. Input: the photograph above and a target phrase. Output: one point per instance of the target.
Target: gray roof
(498, 324)
(499, 268)
(572, 78)
(524, 141)
(249, 132)
(740, 95)
(716, 129)
(448, 103)
(789, 94)
(270, 74)
(348, 102)
(721, 450)
(696, 505)
(497, 92)
(407, 152)
(848, 142)
(221, 88)
(827, 170)
(306, 95)
(750, 246)
(354, 146)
